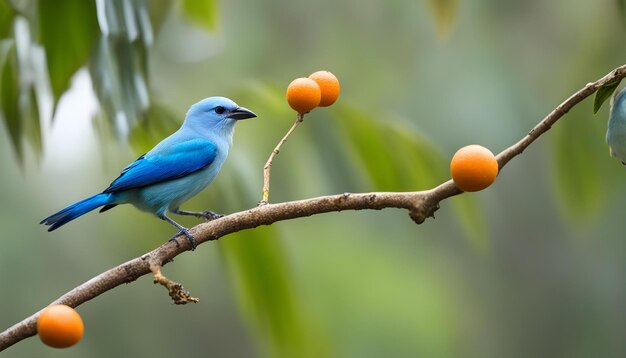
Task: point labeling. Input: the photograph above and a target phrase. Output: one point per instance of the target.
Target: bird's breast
(160, 197)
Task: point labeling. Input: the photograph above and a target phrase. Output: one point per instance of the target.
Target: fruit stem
(268, 165)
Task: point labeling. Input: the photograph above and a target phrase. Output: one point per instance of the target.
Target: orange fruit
(59, 326)
(473, 168)
(303, 94)
(329, 85)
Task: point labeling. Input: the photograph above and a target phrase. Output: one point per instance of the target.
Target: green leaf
(444, 12)
(397, 158)
(119, 70)
(472, 220)
(32, 122)
(157, 12)
(581, 167)
(259, 267)
(261, 273)
(203, 13)
(604, 93)
(394, 156)
(9, 96)
(68, 30)
(6, 18)
(367, 144)
(621, 4)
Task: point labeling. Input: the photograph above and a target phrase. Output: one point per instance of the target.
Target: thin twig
(268, 165)
(547, 123)
(420, 204)
(177, 292)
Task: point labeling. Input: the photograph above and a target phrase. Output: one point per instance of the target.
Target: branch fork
(177, 292)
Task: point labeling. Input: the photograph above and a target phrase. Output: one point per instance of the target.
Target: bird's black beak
(241, 113)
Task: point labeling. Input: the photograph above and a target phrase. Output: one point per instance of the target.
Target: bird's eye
(219, 109)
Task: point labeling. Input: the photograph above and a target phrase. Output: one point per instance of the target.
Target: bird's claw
(190, 238)
(209, 215)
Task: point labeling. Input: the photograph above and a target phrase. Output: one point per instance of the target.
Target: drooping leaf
(68, 30)
(604, 93)
(32, 122)
(19, 106)
(157, 11)
(203, 13)
(472, 220)
(397, 158)
(581, 166)
(120, 66)
(6, 18)
(621, 5)
(259, 267)
(444, 12)
(260, 270)
(9, 100)
(364, 140)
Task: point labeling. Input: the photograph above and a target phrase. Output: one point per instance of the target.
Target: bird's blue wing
(177, 161)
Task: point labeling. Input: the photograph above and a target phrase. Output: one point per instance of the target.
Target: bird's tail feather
(75, 210)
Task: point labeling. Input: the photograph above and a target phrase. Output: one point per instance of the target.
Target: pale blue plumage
(616, 128)
(175, 170)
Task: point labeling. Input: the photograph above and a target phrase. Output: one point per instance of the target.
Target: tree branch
(420, 205)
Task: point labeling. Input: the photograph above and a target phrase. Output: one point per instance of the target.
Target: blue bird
(616, 128)
(175, 170)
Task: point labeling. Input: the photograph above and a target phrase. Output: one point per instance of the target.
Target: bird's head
(217, 115)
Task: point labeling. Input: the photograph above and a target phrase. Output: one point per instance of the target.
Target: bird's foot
(209, 215)
(190, 238)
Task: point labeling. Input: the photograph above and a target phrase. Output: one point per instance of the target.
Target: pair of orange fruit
(321, 89)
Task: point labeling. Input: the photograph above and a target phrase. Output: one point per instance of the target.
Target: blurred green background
(533, 266)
